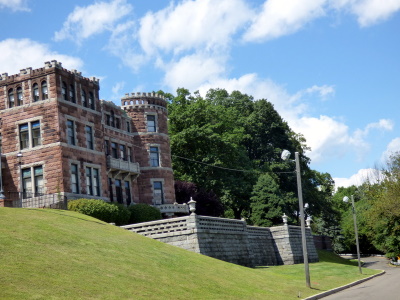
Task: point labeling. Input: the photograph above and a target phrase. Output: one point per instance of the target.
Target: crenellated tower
(152, 146)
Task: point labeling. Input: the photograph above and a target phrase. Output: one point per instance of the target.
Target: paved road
(384, 287)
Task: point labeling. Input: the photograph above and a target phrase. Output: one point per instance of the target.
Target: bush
(110, 213)
(143, 213)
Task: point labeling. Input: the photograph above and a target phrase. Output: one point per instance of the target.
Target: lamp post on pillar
(285, 155)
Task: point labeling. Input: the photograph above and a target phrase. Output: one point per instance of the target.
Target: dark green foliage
(207, 202)
(143, 213)
(110, 213)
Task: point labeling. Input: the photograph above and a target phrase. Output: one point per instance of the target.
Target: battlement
(41, 71)
(135, 99)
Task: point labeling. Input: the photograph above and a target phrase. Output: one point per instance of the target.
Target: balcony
(125, 168)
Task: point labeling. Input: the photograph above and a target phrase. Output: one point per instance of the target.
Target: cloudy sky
(330, 67)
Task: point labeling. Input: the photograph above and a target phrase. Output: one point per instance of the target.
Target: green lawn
(54, 254)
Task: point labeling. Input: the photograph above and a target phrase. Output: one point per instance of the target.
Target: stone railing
(115, 164)
(220, 224)
(173, 208)
(161, 227)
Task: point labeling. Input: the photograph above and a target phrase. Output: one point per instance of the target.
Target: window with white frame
(92, 181)
(74, 179)
(154, 157)
(29, 135)
(71, 132)
(122, 152)
(89, 137)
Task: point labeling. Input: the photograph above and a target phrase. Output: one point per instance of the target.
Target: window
(151, 123)
(117, 123)
(71, 132)
(130, 154)
(74, 179)
(29, 135)
(107, 147)
(110, 189)
(112, 119)
(91, 100)
(114, 153)
(45, 94)
(158, 192)
(20, 97)
(36, 140)
(11, 99)
(154, 157)
(128, 193)
(92, 181)
(108, 120)
(84, 100)
(128, 126)
(89, 137)
(72, 93)
(35, 175)
(64, 91)
(118, 190)
(35, 92)
(122, 152)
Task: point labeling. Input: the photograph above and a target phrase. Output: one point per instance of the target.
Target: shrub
(96, 208)
(143, 213)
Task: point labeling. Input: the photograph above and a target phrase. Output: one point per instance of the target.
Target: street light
(346, 199)
(285, 155)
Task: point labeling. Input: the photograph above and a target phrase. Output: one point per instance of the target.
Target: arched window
(72, 93)
(20, 97)
(91, 100)
(84, 100)
(11, 100)
(64, 91)
(45, 92)
(35, 92)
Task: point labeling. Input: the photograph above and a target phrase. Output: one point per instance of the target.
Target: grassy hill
(55, 254)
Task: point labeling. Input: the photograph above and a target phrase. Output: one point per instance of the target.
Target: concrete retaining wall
(231, 240)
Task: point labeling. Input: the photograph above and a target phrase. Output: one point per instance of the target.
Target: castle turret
(152, 146)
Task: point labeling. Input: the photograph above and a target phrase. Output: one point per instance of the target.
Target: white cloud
(363, 175)
(15, 5)
(205, 24)
(368, 12)
(392, 148)
(84, 22)
(17, 54)
(278, 18)
(193, 70)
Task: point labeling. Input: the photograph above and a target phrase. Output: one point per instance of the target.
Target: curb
(341, 288)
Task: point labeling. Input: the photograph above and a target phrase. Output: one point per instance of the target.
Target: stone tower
(152, 146)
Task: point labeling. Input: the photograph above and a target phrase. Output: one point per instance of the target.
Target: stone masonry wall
(231, 240)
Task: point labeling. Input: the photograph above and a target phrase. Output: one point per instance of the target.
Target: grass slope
(54, 254)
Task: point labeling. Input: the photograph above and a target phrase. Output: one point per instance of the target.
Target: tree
(207, 202)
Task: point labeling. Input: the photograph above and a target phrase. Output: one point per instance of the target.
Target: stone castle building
(58, 138)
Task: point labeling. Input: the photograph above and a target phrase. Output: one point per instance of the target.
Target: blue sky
(331, 68)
